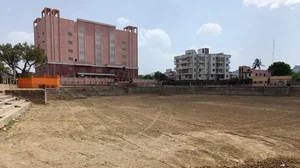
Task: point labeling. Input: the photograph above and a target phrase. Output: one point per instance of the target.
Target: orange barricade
(39, 82)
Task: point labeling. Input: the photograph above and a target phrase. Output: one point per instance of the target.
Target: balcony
(220, 61)
(183, 67)
(186, 73)
(185, 61)
(186, 67)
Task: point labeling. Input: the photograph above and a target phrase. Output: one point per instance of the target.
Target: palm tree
(257, 64)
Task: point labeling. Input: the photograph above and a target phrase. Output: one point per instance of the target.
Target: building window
(123, 49)
(124, 42)
(70, 58)
(70, 68)
(70, 34)
(124, 56)
(213, 70)
(256, 74)
(43, 41)
(98, 70)
(112, 47)
(227, 71)
(264, 74)
(70, 50)
(70, 42)
(259, 74)
(81, 42)
(98, 47)
(112, 71)
(124, 63)
(43, 33)
(213, 64)
(82, 69)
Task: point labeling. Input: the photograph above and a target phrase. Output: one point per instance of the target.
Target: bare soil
(156, 131)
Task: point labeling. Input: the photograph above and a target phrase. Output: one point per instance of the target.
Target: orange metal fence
(39, 82)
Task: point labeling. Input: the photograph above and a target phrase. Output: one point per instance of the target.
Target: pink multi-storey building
(83, 47)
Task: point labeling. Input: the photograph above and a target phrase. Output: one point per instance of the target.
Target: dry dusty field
(156, 131)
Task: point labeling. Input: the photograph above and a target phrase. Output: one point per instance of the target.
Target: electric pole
(273, 54)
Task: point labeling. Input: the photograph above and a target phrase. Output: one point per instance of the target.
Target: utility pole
(273, 54)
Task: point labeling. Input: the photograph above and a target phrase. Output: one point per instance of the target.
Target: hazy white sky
(244, 28)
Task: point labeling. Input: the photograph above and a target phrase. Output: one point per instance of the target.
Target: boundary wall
(94, 91)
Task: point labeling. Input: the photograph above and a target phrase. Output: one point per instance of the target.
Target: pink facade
(246, 72)
(84, 48)
(260, 73)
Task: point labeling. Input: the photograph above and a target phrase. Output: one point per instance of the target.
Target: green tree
(141, 76)
(280, 69)
(257, 64)
(160, 76)
(27, 54)
(296, 76)
(148, 76)
(4, 68)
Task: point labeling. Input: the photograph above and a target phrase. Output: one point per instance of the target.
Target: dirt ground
(156, 131)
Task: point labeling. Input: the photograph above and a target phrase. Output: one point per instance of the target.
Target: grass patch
(10, 123)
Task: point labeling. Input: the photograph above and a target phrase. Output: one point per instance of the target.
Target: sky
(243, 28)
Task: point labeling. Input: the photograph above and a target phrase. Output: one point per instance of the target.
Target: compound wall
(250, 91)
(92, 91)
(34, 95)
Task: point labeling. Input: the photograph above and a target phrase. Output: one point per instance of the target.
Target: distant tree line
(156, 75)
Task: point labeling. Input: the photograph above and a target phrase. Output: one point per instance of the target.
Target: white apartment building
(202, 65)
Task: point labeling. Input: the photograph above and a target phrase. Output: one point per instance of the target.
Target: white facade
(296, 69)
(202, 65)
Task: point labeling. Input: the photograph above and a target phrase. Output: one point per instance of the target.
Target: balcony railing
(185, 73)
